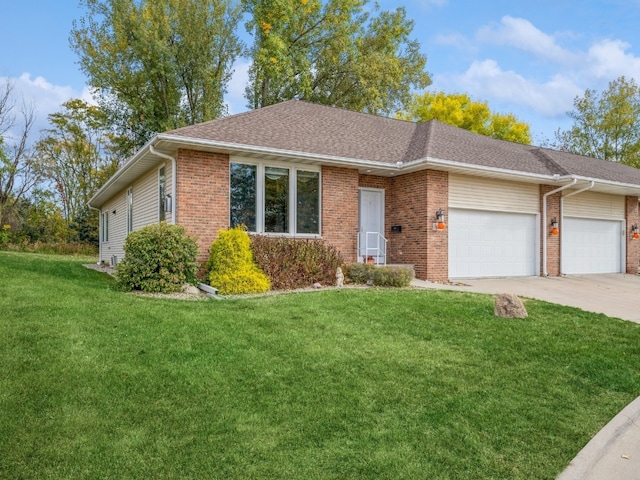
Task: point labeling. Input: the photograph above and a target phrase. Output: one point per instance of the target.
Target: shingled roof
(299, 130)
(299, 126)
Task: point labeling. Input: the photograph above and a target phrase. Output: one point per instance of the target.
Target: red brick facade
(633, 245)
(411, 202)
(553, 241)
(340, 210)
(202, 204)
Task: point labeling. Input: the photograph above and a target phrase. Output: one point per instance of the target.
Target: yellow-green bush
(231, 267)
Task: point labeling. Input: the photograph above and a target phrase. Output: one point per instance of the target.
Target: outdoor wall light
(554, 226)
(440, 218)
(168, 204)
(634, 231)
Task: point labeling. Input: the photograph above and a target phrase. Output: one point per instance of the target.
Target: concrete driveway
(615, 295)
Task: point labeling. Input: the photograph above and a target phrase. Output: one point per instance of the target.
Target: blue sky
(530, 58)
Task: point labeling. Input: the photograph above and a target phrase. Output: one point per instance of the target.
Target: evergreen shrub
(158, 259)
(296, 263)
(231, 267)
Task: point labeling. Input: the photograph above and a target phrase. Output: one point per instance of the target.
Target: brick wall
(553, 241)
(202, 204)
(411, 201)
(340, 210)
(633, 245)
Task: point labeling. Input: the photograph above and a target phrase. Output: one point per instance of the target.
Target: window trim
(162, 188)
(292, 196)
(129, 210)
(104, 226)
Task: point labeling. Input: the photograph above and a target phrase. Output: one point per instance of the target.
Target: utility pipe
(174, 205)
(544, 223)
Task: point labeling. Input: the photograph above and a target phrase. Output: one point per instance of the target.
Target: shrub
(296, 263)
(231, 267)
(382, 276)
(158, 259)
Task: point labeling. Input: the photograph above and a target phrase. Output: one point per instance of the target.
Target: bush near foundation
(382, 276)
(231, 267)
(296, 263)
(158, 259)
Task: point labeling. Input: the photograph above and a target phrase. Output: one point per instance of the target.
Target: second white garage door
(591, 246)
(491, 244)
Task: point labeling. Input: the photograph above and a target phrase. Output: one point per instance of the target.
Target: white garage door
(491, 244)
(591, 246)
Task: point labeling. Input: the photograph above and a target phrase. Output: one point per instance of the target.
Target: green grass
(350, 384)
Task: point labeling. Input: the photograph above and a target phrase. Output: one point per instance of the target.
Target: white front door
(371, 229)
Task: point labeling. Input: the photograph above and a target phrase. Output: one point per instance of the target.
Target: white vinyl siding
(145, 200)
(117, 227)
(594, 205)
(491, 194)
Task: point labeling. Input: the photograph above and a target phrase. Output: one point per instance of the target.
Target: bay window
(274, 198)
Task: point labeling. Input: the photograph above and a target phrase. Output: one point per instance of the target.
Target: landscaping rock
(339, 278)
(190, 289)
(317, 285)
(508, 305)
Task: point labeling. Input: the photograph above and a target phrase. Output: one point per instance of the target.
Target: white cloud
(235, 92)
(485, 80)
(45, 97)
(522, 34)
(456, 40)
(608, 60)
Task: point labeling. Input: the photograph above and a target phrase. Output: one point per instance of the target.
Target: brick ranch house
(373, 187)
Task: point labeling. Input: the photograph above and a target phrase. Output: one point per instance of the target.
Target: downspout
(544, 223)
(174, 206)
(99, 230)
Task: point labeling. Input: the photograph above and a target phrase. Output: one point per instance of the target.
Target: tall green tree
(156, 65)
(606, 124)
(17, 174)
(76, 156)
(334, 52)
(459, 110)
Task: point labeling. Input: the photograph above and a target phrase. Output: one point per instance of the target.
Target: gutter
(153, 151)
(544, 223)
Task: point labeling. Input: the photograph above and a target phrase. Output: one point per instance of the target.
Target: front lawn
(349, 384)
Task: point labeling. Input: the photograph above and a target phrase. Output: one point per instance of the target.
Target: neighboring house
(372, 187)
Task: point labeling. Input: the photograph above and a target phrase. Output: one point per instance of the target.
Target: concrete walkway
(614, 452)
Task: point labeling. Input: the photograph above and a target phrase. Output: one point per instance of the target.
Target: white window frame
(129, 210)
(162, 194)
(104, 227)
(293, 191)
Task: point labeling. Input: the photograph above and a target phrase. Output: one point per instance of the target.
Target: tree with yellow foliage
(459, 110)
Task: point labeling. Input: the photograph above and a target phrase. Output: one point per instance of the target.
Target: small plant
(296, 263)
(158, 259)
(5, 234)
(231, 267)
(383, 276)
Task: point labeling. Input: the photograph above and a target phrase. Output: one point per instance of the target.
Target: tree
(158, 64)
(332, 52)
(459, 110)
(606, 125)
(17, 175)
(76, 156)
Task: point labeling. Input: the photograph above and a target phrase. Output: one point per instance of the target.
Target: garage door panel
(491, 244)
(591, 246)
